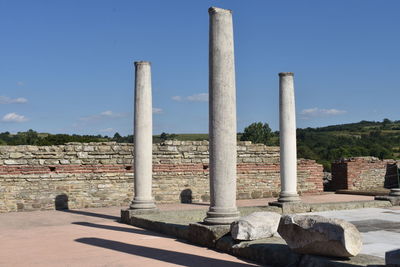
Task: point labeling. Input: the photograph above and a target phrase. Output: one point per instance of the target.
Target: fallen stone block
(269, 251)
(392, 258)
(256, 226)
(207, 235)
(313, 234)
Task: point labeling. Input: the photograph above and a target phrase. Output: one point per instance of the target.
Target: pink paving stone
(92, 237)
(56, 238)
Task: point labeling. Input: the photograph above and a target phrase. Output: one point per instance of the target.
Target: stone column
(288, 154)
(143, 133)
(222, 119)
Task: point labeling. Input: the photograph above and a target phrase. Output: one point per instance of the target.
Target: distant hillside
(324, 144)
(365, 138)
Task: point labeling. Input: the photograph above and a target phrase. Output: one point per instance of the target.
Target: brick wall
(363, 173)
(100, 174)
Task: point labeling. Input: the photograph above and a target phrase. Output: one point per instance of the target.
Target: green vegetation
(324, 144)
(258, 132)
(181, 137)
(365, 138)
(330, 143)
(42, 139)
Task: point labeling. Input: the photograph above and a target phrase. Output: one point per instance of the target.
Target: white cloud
(108, 114)
(202, 97)
(176, 98)
(107, 130)
(9, 100)
(14, 117)
(157, 110)
(320, 112)
(333, 111)
(19, 83)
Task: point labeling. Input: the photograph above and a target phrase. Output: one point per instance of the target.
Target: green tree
(163, 137)
(258, 132)
(32, 137)
(385, 123)
(117, 137)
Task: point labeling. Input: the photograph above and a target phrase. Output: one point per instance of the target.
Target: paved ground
(93, 237)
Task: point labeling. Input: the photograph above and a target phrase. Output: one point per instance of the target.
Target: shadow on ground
(174, 257)
(118, 228)
(92, 214)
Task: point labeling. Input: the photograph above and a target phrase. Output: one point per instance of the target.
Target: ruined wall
(100, 174)
(363, 173)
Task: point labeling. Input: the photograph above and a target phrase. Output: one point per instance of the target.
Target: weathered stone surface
(222, 119)
(127, 214)
(270, 251)
(392, 258)
(364, 173)
(291, 207)
(207, 235)
(313, 234)
(287, 137)
(44, 172)
(395, 201)
(394, 192)
(177, 230)
(255, 226)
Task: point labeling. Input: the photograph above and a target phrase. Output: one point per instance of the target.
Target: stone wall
(363, 173)
(100, 174)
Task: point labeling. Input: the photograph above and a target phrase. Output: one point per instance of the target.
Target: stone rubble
(256, 226)
(313, 234)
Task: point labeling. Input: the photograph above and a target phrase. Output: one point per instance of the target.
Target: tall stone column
(288, 154)
(143, 134)
(222, 119)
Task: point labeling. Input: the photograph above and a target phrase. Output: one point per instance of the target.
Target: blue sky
(67, 66)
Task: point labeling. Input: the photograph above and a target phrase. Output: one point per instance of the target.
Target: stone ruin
(303, 234)
(222, 129)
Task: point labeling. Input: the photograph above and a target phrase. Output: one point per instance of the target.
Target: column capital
(281, 74)
(142, 63)
(213, 10)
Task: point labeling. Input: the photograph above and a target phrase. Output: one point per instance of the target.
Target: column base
(218, 216)
(288, 197)
(394, 192)
(143, 204)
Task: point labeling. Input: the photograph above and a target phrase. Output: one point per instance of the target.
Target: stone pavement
(93, 237)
